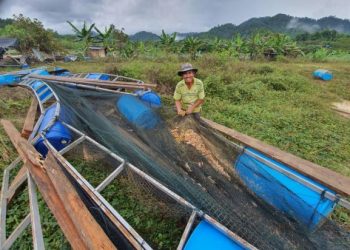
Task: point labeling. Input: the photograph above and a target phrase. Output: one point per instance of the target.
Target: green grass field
(277, 102)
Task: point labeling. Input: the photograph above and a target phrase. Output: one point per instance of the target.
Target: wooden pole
(93, 82)
(29, 122)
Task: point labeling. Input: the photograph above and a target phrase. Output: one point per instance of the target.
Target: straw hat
(186, 67)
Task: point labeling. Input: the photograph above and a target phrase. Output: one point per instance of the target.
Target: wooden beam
(30, 119)
(327, 177)
(93, 82)
(91, 232)
(76, 234)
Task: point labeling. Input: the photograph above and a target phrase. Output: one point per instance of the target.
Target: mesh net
(198, 164)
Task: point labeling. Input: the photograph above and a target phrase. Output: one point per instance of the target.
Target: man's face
(188, 76)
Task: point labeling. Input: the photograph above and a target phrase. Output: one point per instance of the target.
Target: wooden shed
(97, 52)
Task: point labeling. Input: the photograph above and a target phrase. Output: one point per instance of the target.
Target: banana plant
(106, 38)
(84, 34)
(192, 45)
(255, 45)
(167, 41)
(218, 45)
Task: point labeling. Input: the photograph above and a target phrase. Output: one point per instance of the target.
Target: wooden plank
(29, 122)
(94, 82)
(327, 177)
(35, 166)
(90, 230)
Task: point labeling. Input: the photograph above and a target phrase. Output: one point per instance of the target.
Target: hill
(279, 23)
(144, 36)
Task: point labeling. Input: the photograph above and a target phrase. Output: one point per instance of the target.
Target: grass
(277, 102)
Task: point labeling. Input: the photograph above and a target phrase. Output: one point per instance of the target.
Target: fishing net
(197, 163)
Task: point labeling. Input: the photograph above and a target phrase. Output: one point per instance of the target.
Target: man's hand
(181, 112)
(189, 110)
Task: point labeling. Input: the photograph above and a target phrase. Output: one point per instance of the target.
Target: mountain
(144, 36)
(279, 23)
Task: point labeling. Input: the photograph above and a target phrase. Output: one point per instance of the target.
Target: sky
(170, 15)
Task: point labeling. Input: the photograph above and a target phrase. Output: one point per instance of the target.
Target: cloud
(170, 15)
(296, 24)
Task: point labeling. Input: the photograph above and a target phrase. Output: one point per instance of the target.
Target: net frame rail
(32, 218)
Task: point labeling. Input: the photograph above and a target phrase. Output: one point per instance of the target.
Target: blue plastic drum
(207, 237)
(279, 190)
(58, 135)
(136, 112)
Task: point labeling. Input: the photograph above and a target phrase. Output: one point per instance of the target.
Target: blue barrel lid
(149, 97)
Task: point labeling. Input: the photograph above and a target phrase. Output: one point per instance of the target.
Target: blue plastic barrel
(97, 76)
(323, 74)
(58, 135)
(136, 112)
(9, 79)
(149, 97)
(287, 195)
(207, 237)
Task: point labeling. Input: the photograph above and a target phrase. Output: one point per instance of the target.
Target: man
(189, 93)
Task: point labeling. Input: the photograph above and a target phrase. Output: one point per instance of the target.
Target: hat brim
(183, 71)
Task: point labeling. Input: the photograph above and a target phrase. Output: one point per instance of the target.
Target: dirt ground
(342, 108)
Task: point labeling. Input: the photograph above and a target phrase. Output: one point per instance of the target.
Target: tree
(31, 34)
(84, 35)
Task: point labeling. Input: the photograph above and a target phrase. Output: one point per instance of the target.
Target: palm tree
(84, 34)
